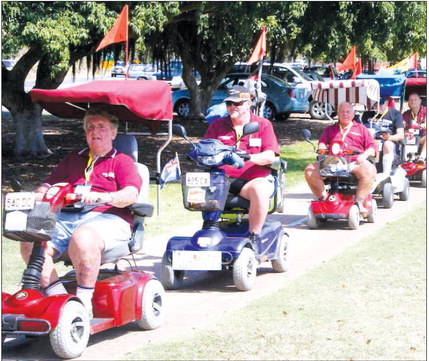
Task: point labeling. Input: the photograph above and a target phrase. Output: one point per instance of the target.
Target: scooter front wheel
(405, 194)
(388, 195)
(424, 179)
(373, 214)
(244, 270)
(170, 279)
(70, 338)
(354, 217)
(152, 305)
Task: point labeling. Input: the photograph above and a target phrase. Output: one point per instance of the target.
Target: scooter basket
(205, 195)
(333, 166)
(32, 225)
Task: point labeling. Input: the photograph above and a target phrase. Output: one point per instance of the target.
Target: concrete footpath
(206, 297)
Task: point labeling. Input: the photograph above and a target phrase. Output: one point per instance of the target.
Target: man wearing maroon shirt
(356, 137)
(254, 181)
(101, 175)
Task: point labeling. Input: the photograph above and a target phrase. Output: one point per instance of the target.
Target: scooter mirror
(306, 134)
(179, 130)
(16, 186)
(250, 128)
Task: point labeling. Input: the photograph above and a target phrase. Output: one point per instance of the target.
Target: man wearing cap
(254, 181)
(390, 139)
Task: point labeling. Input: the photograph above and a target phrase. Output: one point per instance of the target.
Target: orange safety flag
(357, 69)
(413, 61)
(349, 62)
(260, 48)
(118, 32)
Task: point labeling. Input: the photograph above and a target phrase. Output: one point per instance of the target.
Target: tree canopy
(209, 36)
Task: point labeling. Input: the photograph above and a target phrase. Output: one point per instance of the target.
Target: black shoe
(255, 239)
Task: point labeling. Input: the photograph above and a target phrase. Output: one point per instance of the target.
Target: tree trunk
(29, 141)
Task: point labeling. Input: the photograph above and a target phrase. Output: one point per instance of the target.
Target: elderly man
(254, 181)
(101, 175)
(354, 136)
(416, 115)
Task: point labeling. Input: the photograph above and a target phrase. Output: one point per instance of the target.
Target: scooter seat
(236, 202)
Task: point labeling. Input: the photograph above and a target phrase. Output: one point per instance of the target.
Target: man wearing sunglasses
(254, 181)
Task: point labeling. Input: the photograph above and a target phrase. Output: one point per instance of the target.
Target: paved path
(208, 296)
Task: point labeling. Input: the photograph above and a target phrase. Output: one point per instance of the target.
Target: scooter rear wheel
(152, 305)
(281, 264)
(373, 214)
(388, 195)
(354, 217)
(312, 221)
(424, 179)
(244, 270)
(70, 338)
(170, 279)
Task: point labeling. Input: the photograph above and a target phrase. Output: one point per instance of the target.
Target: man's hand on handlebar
(96, 197)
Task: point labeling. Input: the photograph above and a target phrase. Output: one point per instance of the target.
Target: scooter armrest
(142, 209)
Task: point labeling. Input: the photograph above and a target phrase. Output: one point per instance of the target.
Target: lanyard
(89, 167)
(345, 131)
(384, 113)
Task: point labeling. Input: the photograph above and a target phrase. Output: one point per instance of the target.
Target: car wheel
(182, 108)
(152, 310)
(317, 110)
(269, 111)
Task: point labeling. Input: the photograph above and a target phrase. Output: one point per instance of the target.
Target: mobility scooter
(416, 170)
(341, 186)
(120, 296)
(222, 244)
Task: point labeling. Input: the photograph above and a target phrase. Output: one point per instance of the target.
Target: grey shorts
(113, 229)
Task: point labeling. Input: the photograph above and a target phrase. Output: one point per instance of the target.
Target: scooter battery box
(26, 219)
(205, 191)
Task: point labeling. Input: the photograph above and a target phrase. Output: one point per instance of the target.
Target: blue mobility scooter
(222, 244)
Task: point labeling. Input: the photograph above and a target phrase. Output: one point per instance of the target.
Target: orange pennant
(260, 48)
(118, 32)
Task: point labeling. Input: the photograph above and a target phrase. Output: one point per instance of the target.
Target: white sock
(387, 162)
(55, 288)
(85, 295)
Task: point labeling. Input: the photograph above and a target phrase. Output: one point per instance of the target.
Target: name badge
(83, 188)
(255, 142)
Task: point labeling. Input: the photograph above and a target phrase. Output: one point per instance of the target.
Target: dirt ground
(63, 135)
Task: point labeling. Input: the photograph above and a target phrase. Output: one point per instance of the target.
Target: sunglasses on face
(239, 104)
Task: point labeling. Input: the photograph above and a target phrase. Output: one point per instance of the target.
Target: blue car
(282, 98)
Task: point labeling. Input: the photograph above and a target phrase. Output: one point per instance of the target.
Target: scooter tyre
(388, 195)
(424, 179)
(152, 305)
(373, 214)
(405, 194)
(244, 270)
(170, 279)
(354, 217)
(281, 264)
(312, 221)
(70, 338)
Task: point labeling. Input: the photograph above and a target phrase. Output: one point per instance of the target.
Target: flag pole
(126, 45)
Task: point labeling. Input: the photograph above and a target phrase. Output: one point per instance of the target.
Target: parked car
(327, 72)
(173, 75)
(8, 63)
(143, 71)
(282, 98)
(295, 77)
(118, 69)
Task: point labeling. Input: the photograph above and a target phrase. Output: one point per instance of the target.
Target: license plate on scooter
(197, 260)
(20, 201)
(198, 179)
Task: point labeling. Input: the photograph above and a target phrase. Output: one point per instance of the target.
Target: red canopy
(415, 85)
(146, 101)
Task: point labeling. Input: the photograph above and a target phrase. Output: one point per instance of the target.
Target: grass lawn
(369, 303)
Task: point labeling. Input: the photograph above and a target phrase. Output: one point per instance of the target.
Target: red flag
(349, 62)
(260, 48)
(357, 69)
(118, 32)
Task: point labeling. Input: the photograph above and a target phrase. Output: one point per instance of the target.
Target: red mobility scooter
(120, 296)
(341, 185)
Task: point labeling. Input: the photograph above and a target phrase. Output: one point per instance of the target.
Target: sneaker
(255, 239)
(362, 208)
